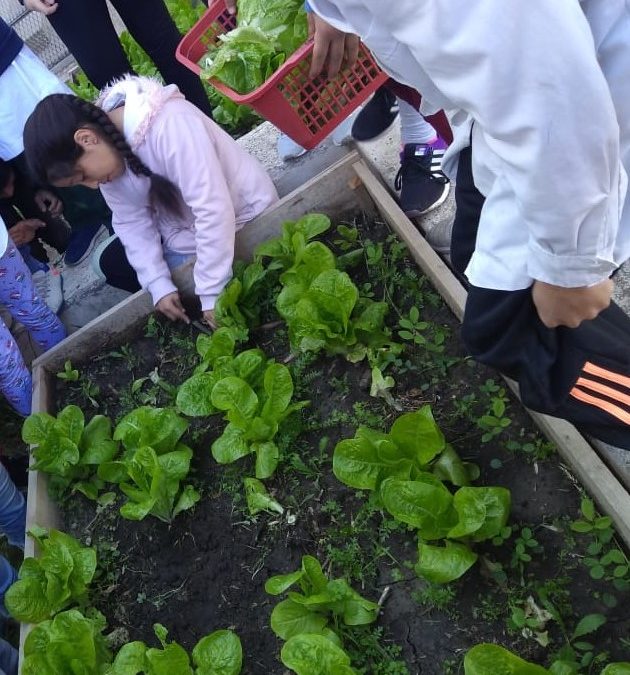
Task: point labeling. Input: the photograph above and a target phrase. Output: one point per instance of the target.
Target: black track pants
(87, 30)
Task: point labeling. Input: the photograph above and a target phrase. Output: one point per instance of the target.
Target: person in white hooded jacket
(176, 183)
(538, 96)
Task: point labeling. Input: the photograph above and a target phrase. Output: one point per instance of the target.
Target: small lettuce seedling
(70, 450)
(258, 499)
(154, 463)
(239, 306)
(48, 584)
(406, 468)
(320, 602)
(219, 653)
(69, 643)
(254, 417)
(194, 397)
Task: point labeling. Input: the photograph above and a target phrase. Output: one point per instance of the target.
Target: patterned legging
(17, 294)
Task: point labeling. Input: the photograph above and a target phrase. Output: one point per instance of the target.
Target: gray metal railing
(36, 31)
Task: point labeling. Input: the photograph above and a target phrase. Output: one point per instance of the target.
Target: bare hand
(171, 306)
(209, 320)
(48, 202)
(24, 231)
(231, 6)
(558, 306)
(44, 6)
(333, 47)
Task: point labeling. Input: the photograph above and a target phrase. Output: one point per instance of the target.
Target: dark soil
(207, 570)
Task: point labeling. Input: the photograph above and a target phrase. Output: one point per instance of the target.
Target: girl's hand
(209, 320)
(231, 6)
(48, 202)
(171, 306)
(44, 6)
(24, 231)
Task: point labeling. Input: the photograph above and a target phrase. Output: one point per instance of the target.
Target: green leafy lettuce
(69, 643)
(254, 417)
(319, 601)
(153, 466)
(219, 653)
(312, 654)
(57, 578)
(407, 468)
(69, 450)
(267, 33)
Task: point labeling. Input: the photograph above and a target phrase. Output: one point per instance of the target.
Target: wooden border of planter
(346, 185)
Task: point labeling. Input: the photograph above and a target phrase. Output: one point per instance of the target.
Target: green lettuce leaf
(488, 659)
(442, 564)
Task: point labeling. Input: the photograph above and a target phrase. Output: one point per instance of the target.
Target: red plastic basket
(305, 109)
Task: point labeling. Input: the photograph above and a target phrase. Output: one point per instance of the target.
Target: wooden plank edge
(595, 476)
(326, 192)
(40, 509)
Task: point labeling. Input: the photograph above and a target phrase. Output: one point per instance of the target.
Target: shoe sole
(435, 205)
(88, 250)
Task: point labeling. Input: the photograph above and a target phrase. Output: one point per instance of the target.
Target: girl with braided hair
(176, 183)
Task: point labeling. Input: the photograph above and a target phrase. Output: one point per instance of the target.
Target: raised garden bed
(533, 583)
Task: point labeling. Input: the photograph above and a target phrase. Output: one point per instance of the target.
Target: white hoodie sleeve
(527, 72)
(133, 222)
(191, 162)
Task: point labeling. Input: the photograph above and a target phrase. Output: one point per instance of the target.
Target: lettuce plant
(321, 304)
(70, 450)
(69, 643)
(239, 305)
(407, 468)
(490, 659)
(194, 397)
(219, 653)
(319, 603)
(295, 239)
(254, 393)
(254, 417)
(57, 578)
(153, 465)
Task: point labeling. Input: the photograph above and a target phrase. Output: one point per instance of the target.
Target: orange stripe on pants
(605, 374)
(600, 388)
(606, 406)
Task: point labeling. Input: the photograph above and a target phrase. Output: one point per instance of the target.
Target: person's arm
(133, 223)
(190, 161)
(528, 74)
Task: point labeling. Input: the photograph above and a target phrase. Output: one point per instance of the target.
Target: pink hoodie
(223, 187)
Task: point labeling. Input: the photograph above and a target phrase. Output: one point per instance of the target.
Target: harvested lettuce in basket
(268, 32)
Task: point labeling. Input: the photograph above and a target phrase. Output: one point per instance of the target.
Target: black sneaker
(377, 116)
(423, 187)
